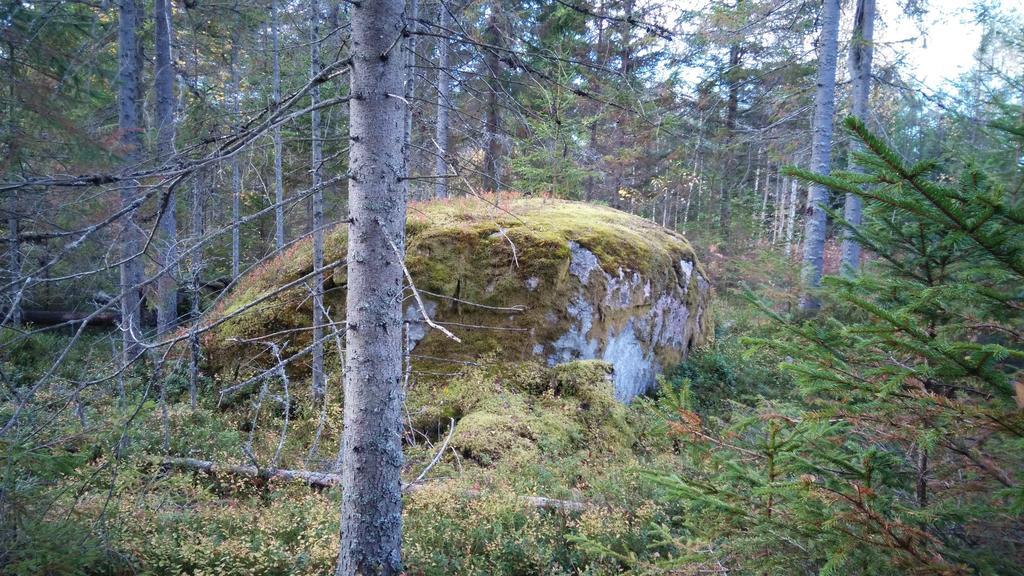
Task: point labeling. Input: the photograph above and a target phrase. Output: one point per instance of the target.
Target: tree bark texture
(167, 285)
(443, 103)
(129, 121)
(492, 63)
(860, 75)
(821, 154)
(410, 81)
(236, 174)
(276, 135)
(371, 509)
(318, 380)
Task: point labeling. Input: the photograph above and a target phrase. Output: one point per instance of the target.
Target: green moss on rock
(557, 411)
(488, 436)
(495, 273)
(589, 382)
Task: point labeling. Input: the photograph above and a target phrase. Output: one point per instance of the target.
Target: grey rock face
(576, 344)
(417, 326)
(583, 262)
(687, 268)
(634, 366)
(619, 317)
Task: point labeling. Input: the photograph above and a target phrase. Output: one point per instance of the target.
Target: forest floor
(557, 479)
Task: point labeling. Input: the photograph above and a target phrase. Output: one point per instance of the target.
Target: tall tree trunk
(236, 173)
(626, 68)
(780, 208)
(686, 209)
(695, 210)
(276, 134)
(11, 161)
(371, 508)
(698, 160)
(777, 209)
(677, 199)
(821, 154)
(733, 102)
(129, 121)
(167, 285)
(443, 103)
(198, 222)
(318, 383)
(592, 190)
(590, 182)
(410, 83)
(14, 259)
(731, 111)
(762, 219)
(860, 74)
(794, 193)
(666, 201)
(492, 154)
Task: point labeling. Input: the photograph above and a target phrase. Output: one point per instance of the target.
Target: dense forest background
(857, 410)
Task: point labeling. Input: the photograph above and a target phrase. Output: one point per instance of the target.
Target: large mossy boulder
(514, 279)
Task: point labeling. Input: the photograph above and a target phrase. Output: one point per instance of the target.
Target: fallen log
(51, 317)
(541, 502)
(315, 479)
(216, 285)
(326, 480)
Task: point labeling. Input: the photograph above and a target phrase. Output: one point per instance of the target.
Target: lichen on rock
(515, 279)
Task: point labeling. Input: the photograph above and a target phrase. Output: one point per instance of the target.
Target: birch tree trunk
(167, 285)
(129, 122)
(821, 154)
(276, 134)
(318, 205)
(371, 508)
(860, 74)
(443, 103)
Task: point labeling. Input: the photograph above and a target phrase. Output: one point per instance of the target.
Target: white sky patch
(933, 50)
(936, 50)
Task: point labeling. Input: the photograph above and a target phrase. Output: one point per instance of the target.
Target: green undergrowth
(95, 500)
(521, 430)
